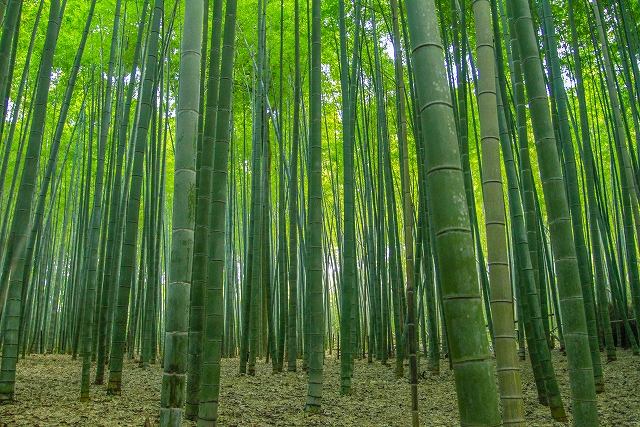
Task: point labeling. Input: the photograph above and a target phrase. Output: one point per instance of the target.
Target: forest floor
(48, 389)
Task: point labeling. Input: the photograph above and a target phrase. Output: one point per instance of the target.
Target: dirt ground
(48, 389)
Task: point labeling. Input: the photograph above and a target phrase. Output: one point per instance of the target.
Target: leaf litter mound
(48, 391)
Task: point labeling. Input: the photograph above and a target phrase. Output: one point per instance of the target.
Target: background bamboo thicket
(425, 185)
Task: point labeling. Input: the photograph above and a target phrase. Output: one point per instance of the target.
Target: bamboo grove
(424, 184)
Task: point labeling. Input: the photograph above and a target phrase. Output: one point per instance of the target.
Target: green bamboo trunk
(214, 325)
(462, 303)
(22, 213)
(292, 326)
(509, 380)
(348, 282)
(570, 293)
(184, 215)
(315, 303)
(203, 209)
(564, 134)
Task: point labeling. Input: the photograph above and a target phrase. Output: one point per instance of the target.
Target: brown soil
(48, 389)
